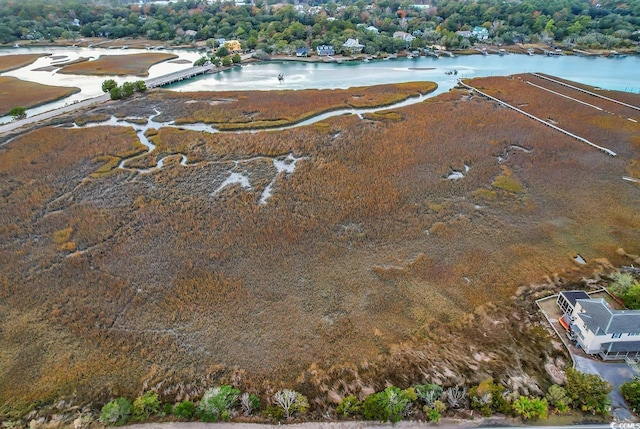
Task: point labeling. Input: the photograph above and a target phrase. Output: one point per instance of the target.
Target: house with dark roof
(302, 52)
(601, 330)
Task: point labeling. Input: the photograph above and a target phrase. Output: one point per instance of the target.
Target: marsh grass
(15, 92)
(119, 65)
(365, 267)
(12, 62)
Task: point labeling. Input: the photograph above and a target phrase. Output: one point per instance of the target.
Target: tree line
(584, 392)
(281, 28)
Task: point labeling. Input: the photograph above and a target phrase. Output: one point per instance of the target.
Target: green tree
(216, 403)
(226, 61)
(140, 86)
(222, 52)
(115, 93)
(146, 405)
(531, 408)
(631, 393)
(388, 405)
(349, 406)
(588, 392)
(108, 85)
(184, 410)
(116, 412)
(128, 88)
(201, 61)
(236, 59)
(18, 113)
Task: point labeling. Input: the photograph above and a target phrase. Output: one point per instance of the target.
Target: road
(151, 83)
(12, 126)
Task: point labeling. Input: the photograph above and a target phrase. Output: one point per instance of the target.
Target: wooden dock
(582, 139)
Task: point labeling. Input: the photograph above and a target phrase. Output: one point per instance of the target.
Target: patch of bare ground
(368, 265)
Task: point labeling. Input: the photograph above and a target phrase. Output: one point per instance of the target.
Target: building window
(616, 335)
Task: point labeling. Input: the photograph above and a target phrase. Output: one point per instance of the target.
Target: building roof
(573, 295)
(602, 319)
(352, 43)
(626, 346)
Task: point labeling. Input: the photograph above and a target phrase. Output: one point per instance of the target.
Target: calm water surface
(619, 74)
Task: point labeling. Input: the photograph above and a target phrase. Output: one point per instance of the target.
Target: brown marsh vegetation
(135, 64)
(15, 92)
(368, 265)
(263, 109)
(12, 62)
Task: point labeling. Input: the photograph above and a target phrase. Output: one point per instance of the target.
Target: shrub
(249, 403)
(435, 412)
(428, 393)
(488, 397)
(146, 405)
(456, 396)
(387, 405)
(291, 402)
(589, 392)
(349, 406)
(116, 412)
(627, 288)
(558, 398)
(18, 113)
(631, 393)
(531, 408)
(217, 403)
(184, 410)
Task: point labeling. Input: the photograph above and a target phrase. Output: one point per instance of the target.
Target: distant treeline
(282, 28)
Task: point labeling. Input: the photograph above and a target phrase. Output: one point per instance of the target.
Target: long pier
(585, 91)
(582, 139)
(178, 76)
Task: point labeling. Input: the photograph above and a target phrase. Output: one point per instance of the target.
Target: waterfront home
(464, 33)
(353, 46)
(404, 36)
(302, 52)
(325, 50)
(480, 33)
(233, 46)
(599, 329)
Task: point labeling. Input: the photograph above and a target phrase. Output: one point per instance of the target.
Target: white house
(353, 46)
(599, 329)
(404, 36)
(480, 33)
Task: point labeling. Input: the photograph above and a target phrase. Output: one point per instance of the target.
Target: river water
(609, 73)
